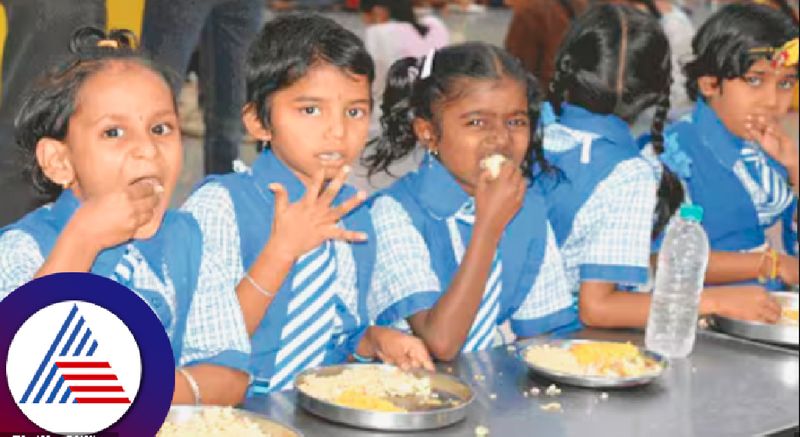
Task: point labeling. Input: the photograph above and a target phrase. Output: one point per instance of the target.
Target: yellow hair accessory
(108, 43)
(787, 55)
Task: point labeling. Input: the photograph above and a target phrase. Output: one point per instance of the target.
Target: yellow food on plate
(605, 359)
(368, 387)
(213, 421)
(354, 399)
(789, 316)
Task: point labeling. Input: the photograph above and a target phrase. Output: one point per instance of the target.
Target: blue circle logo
(83, 354)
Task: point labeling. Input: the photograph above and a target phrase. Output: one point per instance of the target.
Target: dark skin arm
(445, 327)
(602, 306)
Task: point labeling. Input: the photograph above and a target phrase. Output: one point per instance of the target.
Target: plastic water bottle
(682, 262)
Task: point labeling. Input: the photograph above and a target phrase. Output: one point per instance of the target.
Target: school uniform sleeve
(215, 329)
(548, 305)
(20, 259)
(621, 216)
(212, 207)
(404, 282)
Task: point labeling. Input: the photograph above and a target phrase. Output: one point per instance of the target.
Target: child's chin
(149, 229)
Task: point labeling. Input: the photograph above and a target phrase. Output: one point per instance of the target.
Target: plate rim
(386, 413)
(592, 381)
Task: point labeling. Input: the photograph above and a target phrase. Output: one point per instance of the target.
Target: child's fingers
(334, 186)
(314, 187)
(350, 204)
(337, 233)
(771, 310)
(281, 196)
(421, 357)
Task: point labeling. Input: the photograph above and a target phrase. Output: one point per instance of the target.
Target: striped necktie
(770, 193)
(310, 316)
(481, 333)
(123, 272)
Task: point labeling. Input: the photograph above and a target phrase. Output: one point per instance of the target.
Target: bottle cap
(691, 212)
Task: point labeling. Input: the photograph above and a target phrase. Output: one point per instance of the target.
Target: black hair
(408, 96)
(616, 60)
(51, 101)
(288, 46)
(723, 45)
(399, 10)
(787, 9)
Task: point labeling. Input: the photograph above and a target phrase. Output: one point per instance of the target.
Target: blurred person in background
(223, 30)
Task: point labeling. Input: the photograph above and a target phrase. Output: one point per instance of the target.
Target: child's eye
(114, 132)
(518, 122)
(161, 129)
(787, 84)
(311, 110)
(356, 113)
(476, 122)
(753, 80)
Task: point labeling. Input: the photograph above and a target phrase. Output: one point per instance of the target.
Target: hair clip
(110, 43)
(787, 55)
(427, 66)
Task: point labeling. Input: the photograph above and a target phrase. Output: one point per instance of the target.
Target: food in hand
(493, 164)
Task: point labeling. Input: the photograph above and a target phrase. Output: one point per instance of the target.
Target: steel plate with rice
(193, 421)
(593, 364)
(381, 397)
(785, 332)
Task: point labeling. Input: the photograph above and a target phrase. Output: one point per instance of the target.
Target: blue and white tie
(123, 272)
(770, 193)
(481, 333)
(310, 316)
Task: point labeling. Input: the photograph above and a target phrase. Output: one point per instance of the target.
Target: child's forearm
(73, 252)
(602, 306)
(728, 267)
(445, 327)
(217, 385)
(269, 271)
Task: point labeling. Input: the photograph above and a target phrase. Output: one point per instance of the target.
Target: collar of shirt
(438, 190)
(721, 142)
(610, 127)
(152, 249)
(268, 169)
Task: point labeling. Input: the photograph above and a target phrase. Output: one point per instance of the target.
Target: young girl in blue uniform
(101, 139)
(289, 231)
(731, 155)
(461, 250)
(613, 65)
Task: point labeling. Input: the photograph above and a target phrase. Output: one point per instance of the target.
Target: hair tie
(110, 43)
(427, 66)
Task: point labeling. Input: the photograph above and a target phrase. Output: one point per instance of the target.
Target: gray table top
(727, 387)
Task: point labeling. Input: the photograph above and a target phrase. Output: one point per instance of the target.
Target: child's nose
(336, 126)
(770, 97)
(146, 147)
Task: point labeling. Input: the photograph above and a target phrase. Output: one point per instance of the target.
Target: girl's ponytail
(397, 138)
